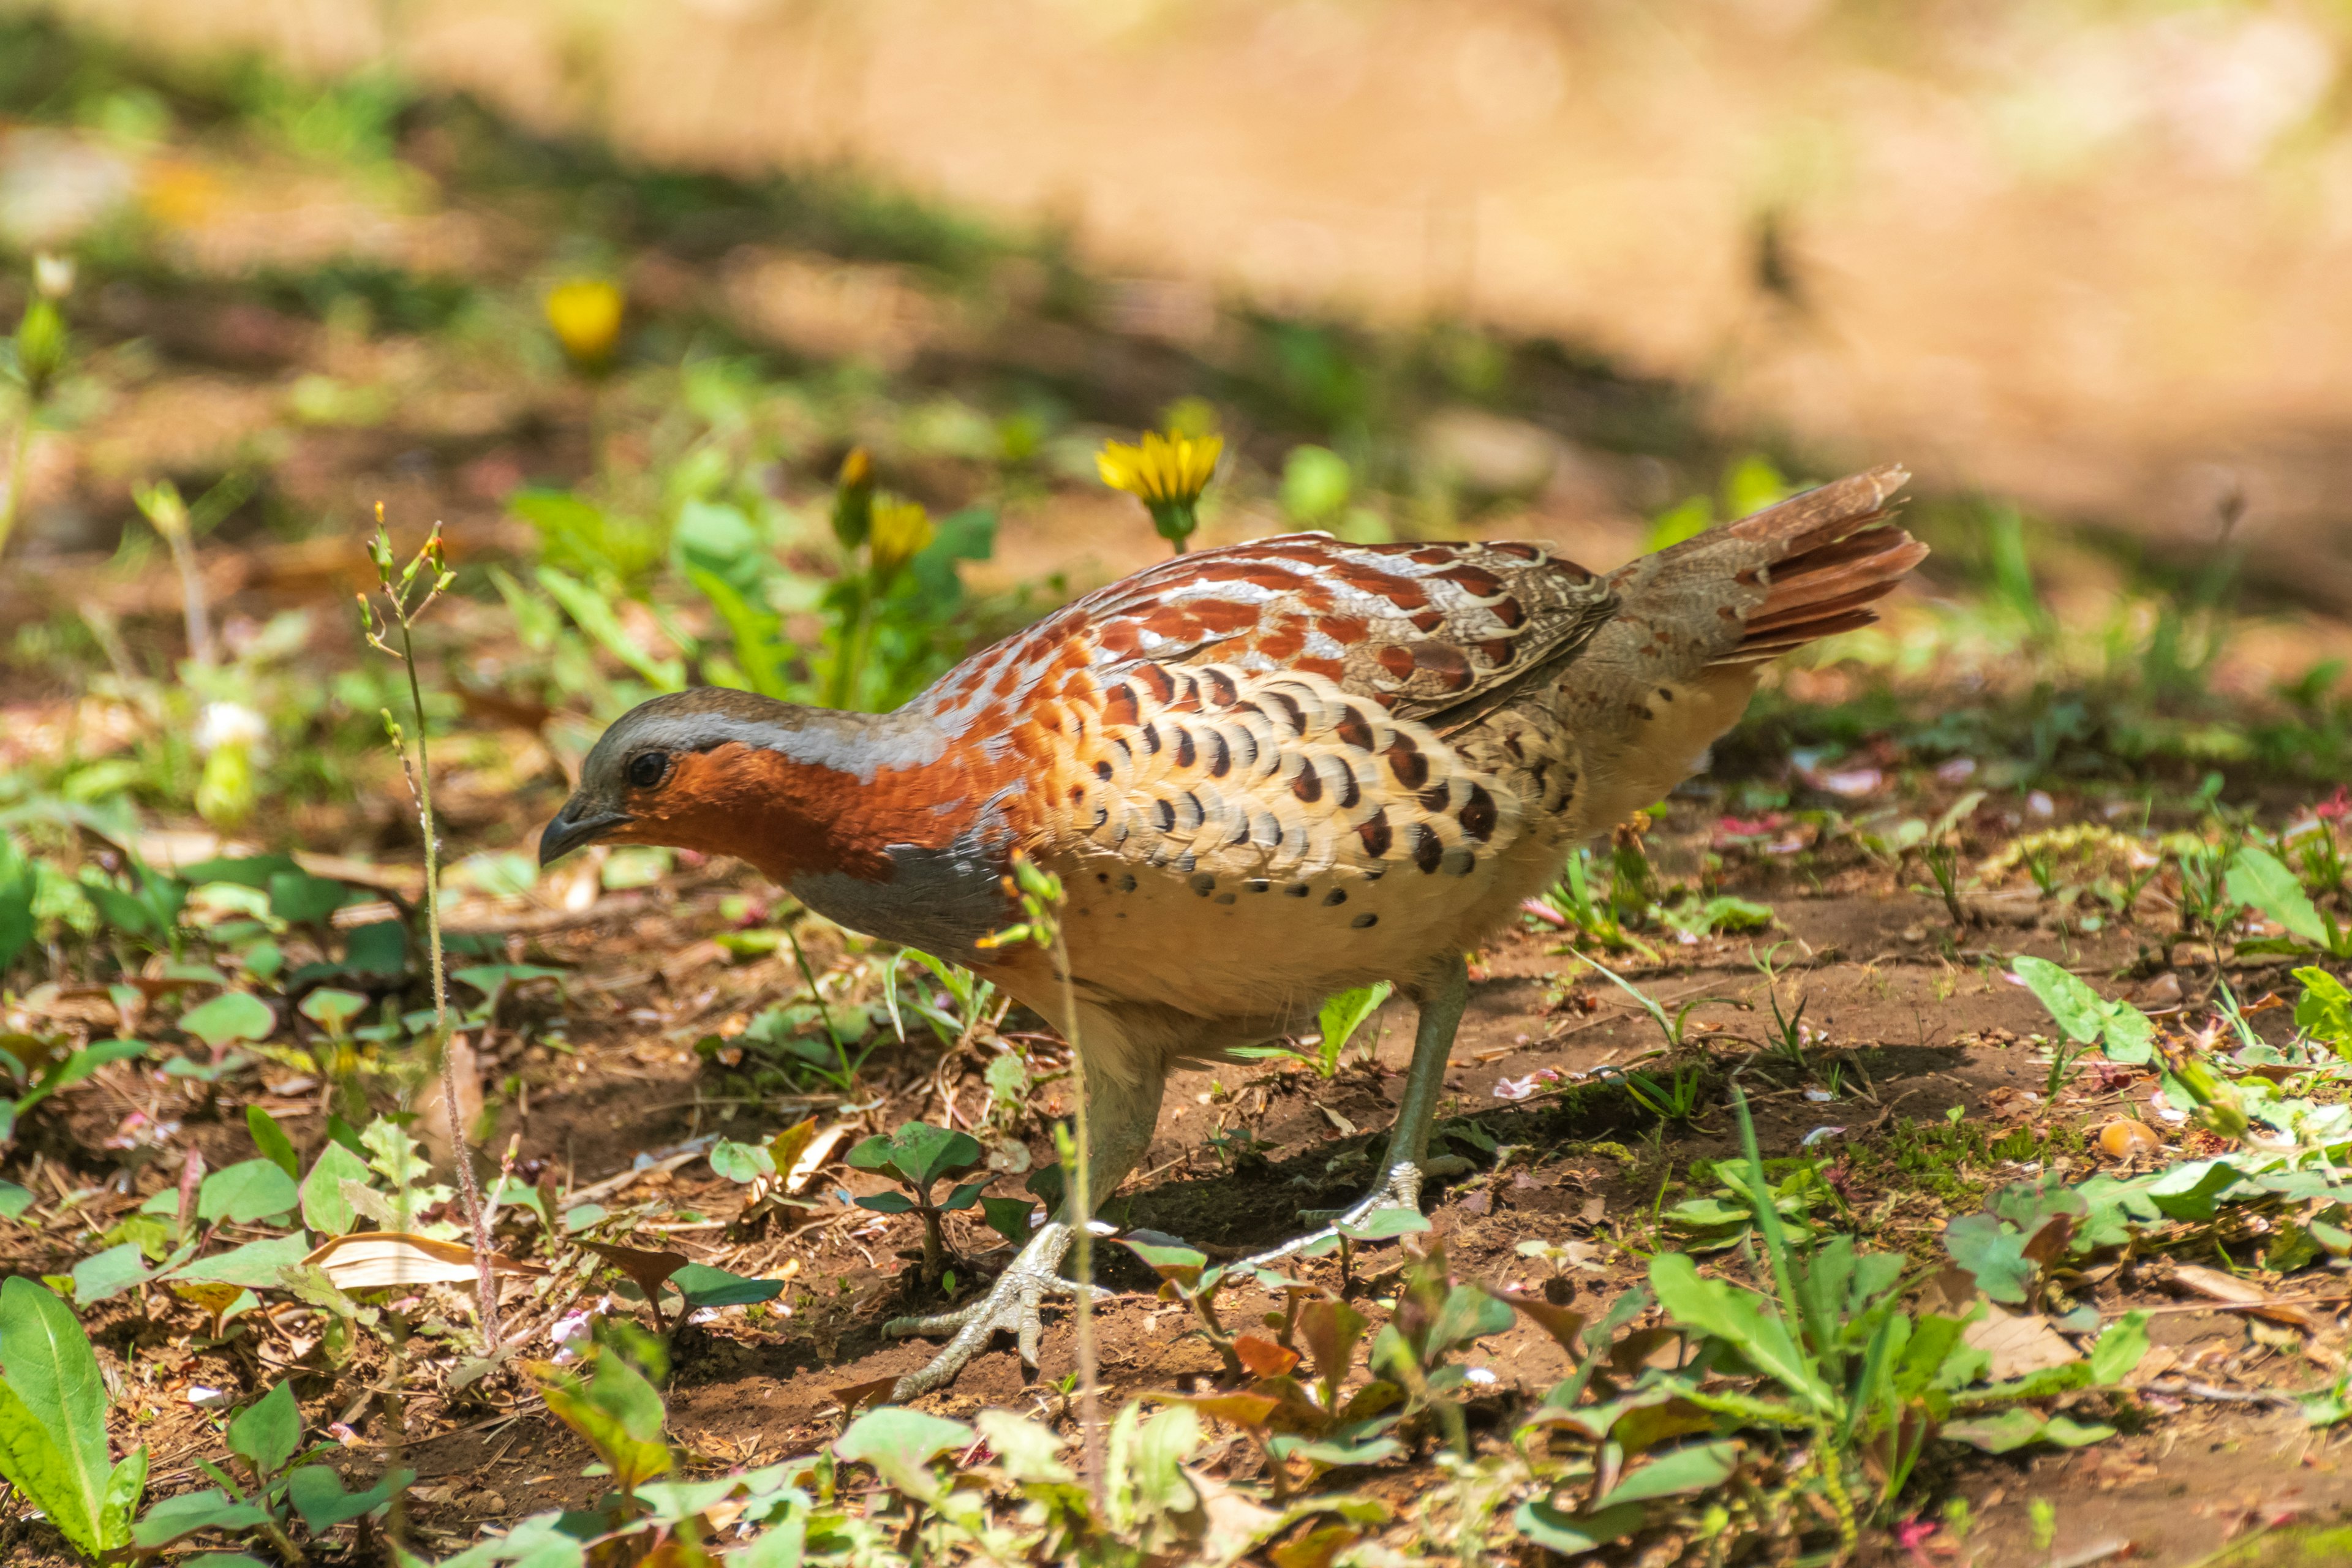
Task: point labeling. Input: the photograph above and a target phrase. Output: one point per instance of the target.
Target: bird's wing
(1416, 628)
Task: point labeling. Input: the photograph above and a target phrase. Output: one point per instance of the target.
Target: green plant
(53, 1424)
(918, 1156)
(1435, 1317)
(1380, 1225)
(612, 1405)
(1671, 1026)
(2120, 1030)
(281, 1484)
(1336, 1024)
(971, 1003)
(1675, 1100)
(405, 601)
(2259, 880)
(765, 1169)
(1575, 902)
(1185, 1276)
(44, 1066)
(1850, 1368)
(38, 355)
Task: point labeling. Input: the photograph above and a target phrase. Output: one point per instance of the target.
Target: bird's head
(729, 773)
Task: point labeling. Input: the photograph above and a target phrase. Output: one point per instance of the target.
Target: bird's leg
(1441, 1013)
(1121, 1115)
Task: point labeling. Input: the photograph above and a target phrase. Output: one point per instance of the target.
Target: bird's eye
(647, 769)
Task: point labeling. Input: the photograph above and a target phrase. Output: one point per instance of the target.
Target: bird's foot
(1012, 1304)
(1401, 1191)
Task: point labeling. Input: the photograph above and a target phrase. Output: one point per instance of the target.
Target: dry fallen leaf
(2239, 1296)
(813, 1158)
(646, 1269)
(2018, 1343)
(1347, 1127)
(382, 1259)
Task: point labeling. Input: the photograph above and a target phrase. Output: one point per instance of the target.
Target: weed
(1676, 1099)
(1335, 1025)
(917, 1156)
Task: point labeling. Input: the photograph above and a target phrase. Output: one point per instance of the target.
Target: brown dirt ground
(1917, 1027)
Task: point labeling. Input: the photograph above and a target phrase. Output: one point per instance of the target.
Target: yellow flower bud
(902, 531)
(586, 316)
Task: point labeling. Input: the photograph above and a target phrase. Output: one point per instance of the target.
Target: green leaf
(1469, 1314)
(176, 1518)
(228, 1018)
(2116, 1353)
(901, 1445)
(33, 1462)
(2258, 878)
(1008, 1218)
(1754, 1328)
(2324, 1010)
(618, 1413)
(1994, 1253)
(14, 1200)
(2085, 1015)
(1343, 1015)
(961, 1197)
(271, 1139)
(2071, 1433)
(1570, 1535)
(105, 1275)
(325, 1210)
(124, 1488)
(920, 1154)
(1181, 1264)
(380, 948)
(1998, 1434)
(245, 1192)
(317, 1495)
(741, 1163)
(704, 1286)
(887, 1202)
(333, 1010)
(2189, 1190)
(265, 1433)
(1385, 1225)
(17, 883)
(255, 1266)
(49, 1368)
(1697, 1469)
(300, 898)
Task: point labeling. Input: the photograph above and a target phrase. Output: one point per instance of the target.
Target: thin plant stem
(485, 1282)
(20, 469)
(823, 1015)
(1082, 1244)
(453, 1058)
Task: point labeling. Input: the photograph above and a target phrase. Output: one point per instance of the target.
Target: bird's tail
(1812, 566)
(1839, 557)
(1673, 670)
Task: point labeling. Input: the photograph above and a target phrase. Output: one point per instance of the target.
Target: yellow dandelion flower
(586, 316)
(1166, 474)
(902, 531)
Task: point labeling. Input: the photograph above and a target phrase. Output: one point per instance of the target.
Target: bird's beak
(578, 822)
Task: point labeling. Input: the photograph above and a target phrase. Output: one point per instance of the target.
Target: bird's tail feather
(1824, 558)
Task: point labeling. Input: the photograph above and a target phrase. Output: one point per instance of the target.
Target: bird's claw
(1401, 1191)
(1012, 1304)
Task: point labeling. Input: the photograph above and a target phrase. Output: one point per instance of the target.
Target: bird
(1264, 774)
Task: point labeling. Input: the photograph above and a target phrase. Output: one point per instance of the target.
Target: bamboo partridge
(1264, 774)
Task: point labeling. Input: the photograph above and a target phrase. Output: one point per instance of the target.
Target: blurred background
(610, 291)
